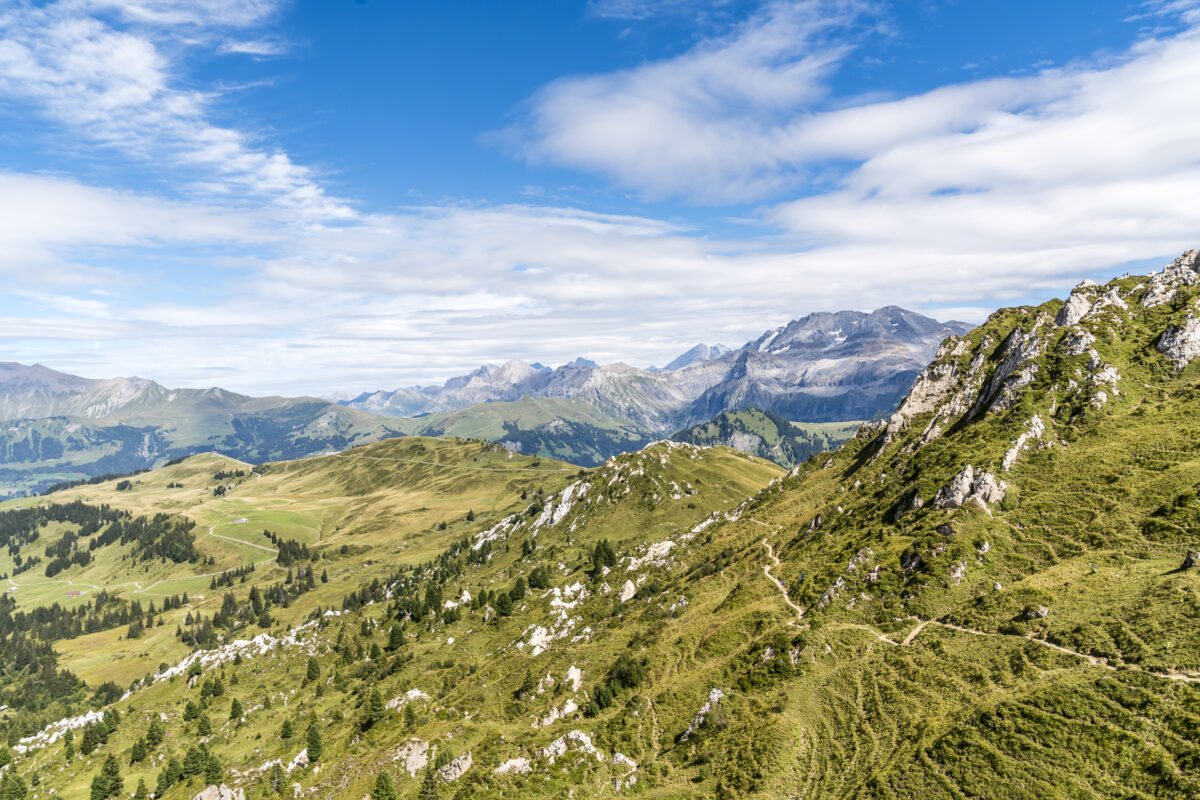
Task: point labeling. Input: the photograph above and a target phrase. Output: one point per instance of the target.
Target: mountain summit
(822, 367)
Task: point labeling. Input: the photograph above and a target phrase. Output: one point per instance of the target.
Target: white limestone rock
(969, 485)
(714, 697)
(413, 755)
(1182, 271)
(1035, 430)
(456, 768)
(1181, 344)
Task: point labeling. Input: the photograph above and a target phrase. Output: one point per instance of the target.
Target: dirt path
(778, 583)
(1173, 675)
(347, 454)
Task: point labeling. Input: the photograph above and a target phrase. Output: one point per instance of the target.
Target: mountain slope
(767, 435)
(986, 596)
(823, 367)
(62, 427)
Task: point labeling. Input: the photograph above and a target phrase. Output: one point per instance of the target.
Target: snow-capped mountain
(824, 366)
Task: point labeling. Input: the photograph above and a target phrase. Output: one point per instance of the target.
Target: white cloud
(961, 198)
(706, 123)
(109, 70)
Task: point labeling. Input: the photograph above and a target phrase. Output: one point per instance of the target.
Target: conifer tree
(504, 605)
(395, 637)
(385, 787)
(314, 669)
(235, 709)
(286, 731)
(155, 733)
(139, 751)
(214, 771)
(204, 726)
(142, 792)
(429, 787)
(315, 746)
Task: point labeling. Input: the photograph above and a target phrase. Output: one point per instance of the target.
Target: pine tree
(429, 787)
(142, 792)
(385, 787)
(314, 669)
(235, 709)
(410, 717)
(504, 605)
(204, 726)
(395, 638)
(315, 746)
(139, 752)
(214, 772)
(374, 710)
(155, 733)
(324, 576)
(518, 590)
(14, 788)
(286, 731)
(195, 761)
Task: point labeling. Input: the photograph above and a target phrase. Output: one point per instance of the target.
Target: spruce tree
(214, 772)
(204, 726)
(395, 638)
(155, 733)
(504, 605)
(139, 752)
(315, 746)
(142, 792)
(314, 669)
(429, 786)
(235, 709)
(286, 731)
(385, 787)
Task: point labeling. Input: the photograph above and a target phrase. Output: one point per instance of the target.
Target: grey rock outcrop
(221, 792)
(456, 768)
(1036, 612)
(969, 485)
(1181, 344)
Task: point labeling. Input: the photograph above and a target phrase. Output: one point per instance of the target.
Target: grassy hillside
(571, 430)
(768, 435)
(35, 454)
(985, 597)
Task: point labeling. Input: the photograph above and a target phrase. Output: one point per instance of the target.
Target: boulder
(1191, 559)
(969, 485)
(456, 768)
(1036, 612)
(1181, 344)
(221, 792)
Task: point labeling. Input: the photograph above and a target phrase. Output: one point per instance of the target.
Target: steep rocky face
(1068, 356)
(826, 366)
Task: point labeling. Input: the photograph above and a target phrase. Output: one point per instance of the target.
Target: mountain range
(990, 593)
(823, 367)
(60, 427)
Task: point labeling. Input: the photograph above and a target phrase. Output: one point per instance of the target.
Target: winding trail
(515, 471)
(1174, 675)
(778, 583)
(139, 590)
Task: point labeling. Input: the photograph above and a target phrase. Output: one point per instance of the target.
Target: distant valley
(822, 368)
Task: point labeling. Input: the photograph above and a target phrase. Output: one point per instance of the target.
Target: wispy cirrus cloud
(111, 72)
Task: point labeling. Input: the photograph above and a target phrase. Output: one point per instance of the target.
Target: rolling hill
(58, 427)
(991, 594)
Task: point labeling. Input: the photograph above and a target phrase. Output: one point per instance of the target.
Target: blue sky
(287, 197)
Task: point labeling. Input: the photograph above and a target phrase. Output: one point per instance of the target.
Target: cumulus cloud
(960, 198)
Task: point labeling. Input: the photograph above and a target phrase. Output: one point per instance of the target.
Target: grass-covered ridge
(694, 622)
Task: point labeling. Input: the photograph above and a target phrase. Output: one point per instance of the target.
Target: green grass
(875, 693)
